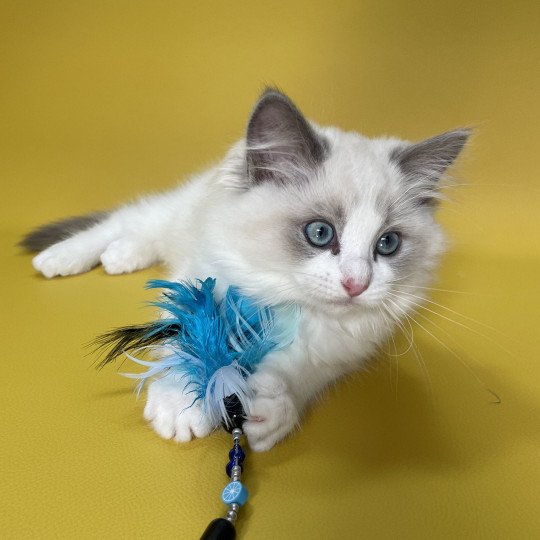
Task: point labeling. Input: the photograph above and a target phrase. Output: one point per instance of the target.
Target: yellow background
(103, 100)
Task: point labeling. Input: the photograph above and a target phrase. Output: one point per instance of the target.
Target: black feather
(114, 343)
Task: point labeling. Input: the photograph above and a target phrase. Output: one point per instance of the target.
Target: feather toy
(210, 345)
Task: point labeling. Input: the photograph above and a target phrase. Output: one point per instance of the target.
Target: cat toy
(210, 347)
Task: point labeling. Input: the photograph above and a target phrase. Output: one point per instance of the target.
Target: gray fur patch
(51, 233)
(281, 144)
(431, 158)
(298, 246)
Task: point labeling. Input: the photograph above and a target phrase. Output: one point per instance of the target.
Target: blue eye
(388, 243)
(319, 233)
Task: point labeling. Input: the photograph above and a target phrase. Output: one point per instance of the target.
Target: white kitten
(330, 220)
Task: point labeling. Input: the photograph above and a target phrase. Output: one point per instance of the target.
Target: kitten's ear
(281, 145)
(429, 159)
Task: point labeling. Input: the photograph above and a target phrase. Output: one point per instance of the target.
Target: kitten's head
(333, 220)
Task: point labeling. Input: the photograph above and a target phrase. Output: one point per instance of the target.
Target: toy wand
(210, 347)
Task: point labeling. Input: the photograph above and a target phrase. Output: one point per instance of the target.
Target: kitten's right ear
(281, 144)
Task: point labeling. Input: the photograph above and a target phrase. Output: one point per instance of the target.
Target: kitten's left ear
(431, 158)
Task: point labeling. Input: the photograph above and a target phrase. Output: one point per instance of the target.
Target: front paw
(126, 255)
(271, 420)
(172, 413)
(64, 259)
(273, 414)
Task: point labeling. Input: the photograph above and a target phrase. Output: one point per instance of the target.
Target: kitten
(331, 220)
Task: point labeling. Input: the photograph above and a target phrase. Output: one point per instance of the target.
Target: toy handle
(219, 529)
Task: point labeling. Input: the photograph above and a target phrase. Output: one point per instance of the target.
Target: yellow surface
(103, 100)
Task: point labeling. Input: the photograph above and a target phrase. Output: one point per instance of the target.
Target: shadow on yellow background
(101, 101)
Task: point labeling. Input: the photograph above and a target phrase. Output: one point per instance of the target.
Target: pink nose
(354, 288)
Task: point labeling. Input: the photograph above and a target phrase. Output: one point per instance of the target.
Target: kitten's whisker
(408, 337)
(416, 351)
(449, 309)
(416, 312)
(473, 330)
(403, 277)
(478, 379)
(432, 289)
(465, 364)
(394, 358)
(391, 326)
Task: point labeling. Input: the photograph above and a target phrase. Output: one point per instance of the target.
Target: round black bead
(219, 529)
(235, 412)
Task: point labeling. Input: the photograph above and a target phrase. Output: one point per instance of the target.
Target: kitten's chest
(339, 340)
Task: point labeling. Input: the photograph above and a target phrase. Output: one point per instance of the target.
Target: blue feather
(214, 345)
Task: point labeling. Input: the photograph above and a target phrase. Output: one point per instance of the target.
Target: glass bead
(237, 453)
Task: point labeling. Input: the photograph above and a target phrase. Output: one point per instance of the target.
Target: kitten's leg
(285, 383)
(76, 254)
(131, 238)
(172, 412)
(110, 242)
(128, 254)
(273, 412)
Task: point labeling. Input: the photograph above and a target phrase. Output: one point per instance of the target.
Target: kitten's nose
(353, 287)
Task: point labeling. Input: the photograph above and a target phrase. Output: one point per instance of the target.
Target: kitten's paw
(172, 413)
(64, 259)
(273, 413)
(125, 255)
(271, 420)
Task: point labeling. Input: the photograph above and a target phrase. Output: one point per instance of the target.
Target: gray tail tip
(46, 235)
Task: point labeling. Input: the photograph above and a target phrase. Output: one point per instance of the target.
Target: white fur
(216, 225)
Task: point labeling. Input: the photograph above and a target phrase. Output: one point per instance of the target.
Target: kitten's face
(342, 230)
(340, 240)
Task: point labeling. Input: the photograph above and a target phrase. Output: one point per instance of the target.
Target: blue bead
(234, 492)
(237, 453)
(230, 465)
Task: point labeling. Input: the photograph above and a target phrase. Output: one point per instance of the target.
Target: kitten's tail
(51, 233)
